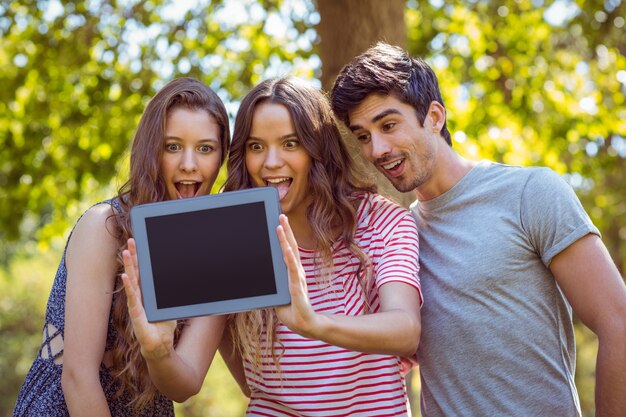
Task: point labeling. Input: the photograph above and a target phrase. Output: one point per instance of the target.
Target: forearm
(84, 396)
(611, 376)
(173, 377)
(393, 332)
(179, 373)
(595, 290)
(234, 362)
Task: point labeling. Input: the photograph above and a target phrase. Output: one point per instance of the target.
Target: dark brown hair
(146, 185)
(387, 70)
(332, 181)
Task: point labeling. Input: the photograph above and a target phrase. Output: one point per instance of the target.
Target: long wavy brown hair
(333, 182)
(146, 185)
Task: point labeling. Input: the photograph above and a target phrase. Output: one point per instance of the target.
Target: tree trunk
(347, 28)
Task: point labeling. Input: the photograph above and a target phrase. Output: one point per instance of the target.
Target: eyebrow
(172, 137)
(376, 118)
(287, 136)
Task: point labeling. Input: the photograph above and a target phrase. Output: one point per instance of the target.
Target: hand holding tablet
(214, 254)
(298, 315)
(156, 339)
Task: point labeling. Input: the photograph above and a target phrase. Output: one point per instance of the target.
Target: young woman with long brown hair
(90, 363)
(352, 258)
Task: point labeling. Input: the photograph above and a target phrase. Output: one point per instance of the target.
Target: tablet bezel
(267, 195)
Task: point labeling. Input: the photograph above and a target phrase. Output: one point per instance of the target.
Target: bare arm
(233, 361)
(594, 288)
(91, 268)
(395, 330)
(178, 373)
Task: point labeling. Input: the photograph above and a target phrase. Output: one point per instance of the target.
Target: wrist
(157, 354)
(317, 326)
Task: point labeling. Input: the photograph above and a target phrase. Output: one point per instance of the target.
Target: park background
(528, 82)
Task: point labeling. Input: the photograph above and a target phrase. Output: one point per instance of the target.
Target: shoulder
(520, 181)
(379, 213)
(545, 184)
(96, 226)
(506, 174)
(376, 206)
(534, 188)
(97, 215)
(518, 173)
(91, 256)
(544, 175)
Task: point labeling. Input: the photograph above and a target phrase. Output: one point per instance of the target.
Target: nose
(380, 146)
(188, 162)
(273, 158)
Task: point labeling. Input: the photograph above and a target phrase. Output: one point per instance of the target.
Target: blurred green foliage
(77, 75)
(525, 82)
(24, 287)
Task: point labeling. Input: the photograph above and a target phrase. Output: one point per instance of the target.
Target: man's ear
(437, 116)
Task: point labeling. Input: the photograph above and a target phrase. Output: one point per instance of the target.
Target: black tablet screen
(210, 255)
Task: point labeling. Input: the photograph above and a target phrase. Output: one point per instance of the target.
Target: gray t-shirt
(497, 336)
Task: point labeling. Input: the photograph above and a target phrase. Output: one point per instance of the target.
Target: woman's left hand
(299, 316)
(155, 339)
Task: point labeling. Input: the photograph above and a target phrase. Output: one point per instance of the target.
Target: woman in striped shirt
(352, 258)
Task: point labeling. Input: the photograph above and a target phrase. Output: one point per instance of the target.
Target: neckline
(457, 189)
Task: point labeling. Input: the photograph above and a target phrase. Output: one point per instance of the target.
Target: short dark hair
(387, 70)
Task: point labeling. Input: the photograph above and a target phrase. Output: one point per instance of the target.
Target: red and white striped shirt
(319, 379)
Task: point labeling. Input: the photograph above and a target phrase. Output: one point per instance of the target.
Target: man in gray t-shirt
(506, 253)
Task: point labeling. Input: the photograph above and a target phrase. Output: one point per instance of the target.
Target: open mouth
(393, 168)
(187, 189)
(281, 184)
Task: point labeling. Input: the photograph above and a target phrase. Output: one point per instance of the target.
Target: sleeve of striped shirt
(399, 261)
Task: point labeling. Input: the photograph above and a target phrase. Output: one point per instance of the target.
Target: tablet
(214, 254)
